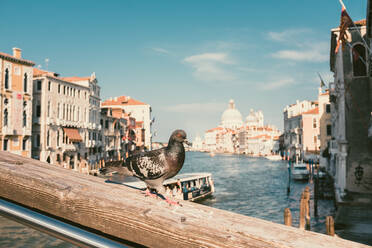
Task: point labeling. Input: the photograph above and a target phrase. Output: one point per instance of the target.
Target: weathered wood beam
(127, 214)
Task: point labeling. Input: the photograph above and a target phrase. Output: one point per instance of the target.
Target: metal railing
(55, 228)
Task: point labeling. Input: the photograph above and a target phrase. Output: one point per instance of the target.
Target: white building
(60, 121)
(231, 117)
(94, 144)
(140, 111)
(197, 144)
(293, 127)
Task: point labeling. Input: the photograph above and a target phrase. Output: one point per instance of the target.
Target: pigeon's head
(179, 136)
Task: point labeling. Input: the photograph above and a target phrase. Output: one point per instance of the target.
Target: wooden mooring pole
(302, 211)
(307, 205)
(287, 217)
(330, 226)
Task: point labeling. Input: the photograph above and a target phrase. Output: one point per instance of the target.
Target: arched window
(25, 83)
(48, 138)
(24, 118)
(6, 117)
(57, 138)
(6, 83)
(359, 60)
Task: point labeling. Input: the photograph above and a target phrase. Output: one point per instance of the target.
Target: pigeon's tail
(115, 166)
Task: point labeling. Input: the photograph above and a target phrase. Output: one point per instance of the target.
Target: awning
(72, 134)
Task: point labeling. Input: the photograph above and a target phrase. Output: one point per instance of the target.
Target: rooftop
(17, 60)
(122, 100)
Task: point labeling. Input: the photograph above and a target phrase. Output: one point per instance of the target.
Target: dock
(125, 215)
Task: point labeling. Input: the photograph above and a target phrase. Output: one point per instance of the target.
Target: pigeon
(153, 167)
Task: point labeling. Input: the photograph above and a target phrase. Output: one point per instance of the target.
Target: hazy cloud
(317, 52)
(209, 107)
(272, 85)
(289, 34)
(160, 50)
(211, 66)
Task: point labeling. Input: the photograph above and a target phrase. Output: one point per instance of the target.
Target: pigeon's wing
(148, 165)
(115, 166)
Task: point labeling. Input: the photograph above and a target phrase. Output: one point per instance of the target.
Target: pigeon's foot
(171, 202)
(148, 193)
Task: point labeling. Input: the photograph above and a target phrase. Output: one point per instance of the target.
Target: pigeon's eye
(179, 135)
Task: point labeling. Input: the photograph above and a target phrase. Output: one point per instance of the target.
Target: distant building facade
(16, 103)
(141, 112)
(293, 128)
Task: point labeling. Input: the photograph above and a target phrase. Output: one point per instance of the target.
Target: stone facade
(141, 112)
(293, 128)
(61, 122)
(16, 103)
(351, 106)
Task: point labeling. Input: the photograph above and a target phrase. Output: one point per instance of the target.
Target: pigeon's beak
(187, 142)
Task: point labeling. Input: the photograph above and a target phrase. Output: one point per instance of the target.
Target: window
(64, 90)
(38, 110)
(329, 130)
(49, 85)
(314, 123)
(5, 117)
(39, 85)
(6, 83)
(106, 124)
(48, 110)
(25, 83)
(5, 145)
(59, 88)
(48, 137)
(59, 105)
(315, 139)
(328, 108)
(359, 60)
(24, 118)
(57, 137)
(24, 144)
(37, 140)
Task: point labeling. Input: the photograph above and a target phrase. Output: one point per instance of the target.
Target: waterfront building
(310, 132)
(255, 138)
(350, 149)
(114, 127)
(210, 137)
(197, 144)
(16, 103)
(293, 123)
(325, 126)
(141, 112)
(231, 117)
(61, 124)
(94, 144)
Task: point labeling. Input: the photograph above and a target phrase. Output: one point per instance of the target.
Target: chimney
(17, 52)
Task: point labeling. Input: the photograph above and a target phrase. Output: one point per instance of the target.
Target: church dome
(231, 117)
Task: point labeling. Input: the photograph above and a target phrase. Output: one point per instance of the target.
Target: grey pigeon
(153, 167)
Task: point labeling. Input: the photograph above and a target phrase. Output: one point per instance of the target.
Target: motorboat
(299, 171)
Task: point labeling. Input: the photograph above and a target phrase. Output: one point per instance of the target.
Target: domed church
(231, 117)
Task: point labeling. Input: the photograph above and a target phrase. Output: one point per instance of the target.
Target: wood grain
(127, 214)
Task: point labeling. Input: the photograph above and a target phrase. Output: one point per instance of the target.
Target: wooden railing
(126, 214)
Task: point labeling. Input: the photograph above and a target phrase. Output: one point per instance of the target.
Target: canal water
(255, 187)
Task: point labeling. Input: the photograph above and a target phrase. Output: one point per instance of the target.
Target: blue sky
(186, 59)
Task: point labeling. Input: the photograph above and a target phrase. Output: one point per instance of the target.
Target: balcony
(68, 147)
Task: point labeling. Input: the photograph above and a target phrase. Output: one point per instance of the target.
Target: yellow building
(16, 103)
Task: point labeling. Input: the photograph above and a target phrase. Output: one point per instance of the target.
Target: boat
(188, 186)
(299, 171)
(274, 157)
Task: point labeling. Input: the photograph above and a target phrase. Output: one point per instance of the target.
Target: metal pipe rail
(53, 227)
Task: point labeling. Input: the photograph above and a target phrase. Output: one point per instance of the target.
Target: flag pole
(365, 43)
(342, 3)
